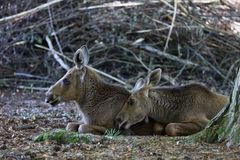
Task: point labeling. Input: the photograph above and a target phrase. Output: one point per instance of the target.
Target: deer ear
(146, 119)
(81, 57)
(138, 85)
(154, 77)
(82, 74)
(84, 55)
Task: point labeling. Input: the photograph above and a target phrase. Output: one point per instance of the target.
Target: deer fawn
(98, 102)
(183, 110)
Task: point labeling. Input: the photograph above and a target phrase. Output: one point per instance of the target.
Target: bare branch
(55, 55)
(171, 27)
(166, 55)
(29, 12)
(116, 4)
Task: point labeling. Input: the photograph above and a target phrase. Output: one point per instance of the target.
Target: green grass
(112, 133)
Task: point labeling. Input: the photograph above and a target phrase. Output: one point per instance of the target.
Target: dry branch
(55, 55)
(172, 25)
(138, 27)
(25, 87)
(116, 4)
(166, 55)
(136, 57)
(24, 14)
(109, 76)
(205, 61)
(58, 53)
(19, 74)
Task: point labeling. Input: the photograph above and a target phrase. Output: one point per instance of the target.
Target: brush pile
(189, 41)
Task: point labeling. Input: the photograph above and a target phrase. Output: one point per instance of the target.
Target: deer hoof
(171, 130)
(72, 127)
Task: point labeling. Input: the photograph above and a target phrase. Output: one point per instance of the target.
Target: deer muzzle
(121, 124)
(52, 99)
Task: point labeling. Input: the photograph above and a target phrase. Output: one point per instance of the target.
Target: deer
(182, 110)
(98, 101)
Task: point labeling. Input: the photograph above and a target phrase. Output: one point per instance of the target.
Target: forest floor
(24, 115)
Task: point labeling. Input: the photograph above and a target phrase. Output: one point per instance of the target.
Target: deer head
(138, 105)
(71, 85)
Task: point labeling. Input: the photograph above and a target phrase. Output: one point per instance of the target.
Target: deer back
(175, 104)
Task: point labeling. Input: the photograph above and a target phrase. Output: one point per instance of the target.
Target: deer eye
(66, 82)
(131, 101)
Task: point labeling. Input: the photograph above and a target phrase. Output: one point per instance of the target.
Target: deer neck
(89, 90)
(97, 95)
(101, 101)
(162, 106)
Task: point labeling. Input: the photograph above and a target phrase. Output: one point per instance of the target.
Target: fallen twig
(58, 53)
(171, 27)
(55, 55)
(229, 71)
(135, 56)
(209, 64)
(109, 76)
(28, 75)
(53, 30)
(164, 76)
(24, 127)
(116, 4)
(29, 81)
(25, 87)
(166, 55)
(29, 12)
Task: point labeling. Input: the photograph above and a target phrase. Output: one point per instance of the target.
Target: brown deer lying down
(98, 102)
(184, 110)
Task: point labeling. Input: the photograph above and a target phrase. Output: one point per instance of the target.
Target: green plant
(112, 133)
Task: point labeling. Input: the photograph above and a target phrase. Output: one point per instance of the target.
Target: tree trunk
(225, 127)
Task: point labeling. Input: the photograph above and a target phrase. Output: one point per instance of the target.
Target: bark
(225, 127)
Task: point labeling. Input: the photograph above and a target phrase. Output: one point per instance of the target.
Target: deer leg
(94, 129)
(184, 129)
(73, 126)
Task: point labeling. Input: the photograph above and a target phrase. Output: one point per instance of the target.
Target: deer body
(98, 101)
(179, 104)
(184, 109)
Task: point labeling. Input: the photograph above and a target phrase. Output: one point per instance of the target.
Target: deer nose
(48, 98)
(118, 123)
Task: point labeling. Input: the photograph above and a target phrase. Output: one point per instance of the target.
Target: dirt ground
(23, 116)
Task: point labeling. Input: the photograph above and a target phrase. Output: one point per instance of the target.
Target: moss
(63, 136)
(234, 136)
(214, 132)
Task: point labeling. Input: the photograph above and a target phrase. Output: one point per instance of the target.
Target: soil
(24, 115)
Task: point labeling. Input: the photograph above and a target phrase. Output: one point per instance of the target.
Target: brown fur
(97, 101)
(184, 109)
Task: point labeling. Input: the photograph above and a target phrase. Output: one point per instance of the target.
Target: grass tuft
(112, 133)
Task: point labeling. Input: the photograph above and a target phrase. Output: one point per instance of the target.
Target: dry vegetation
(197, 42)
(125, 42)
